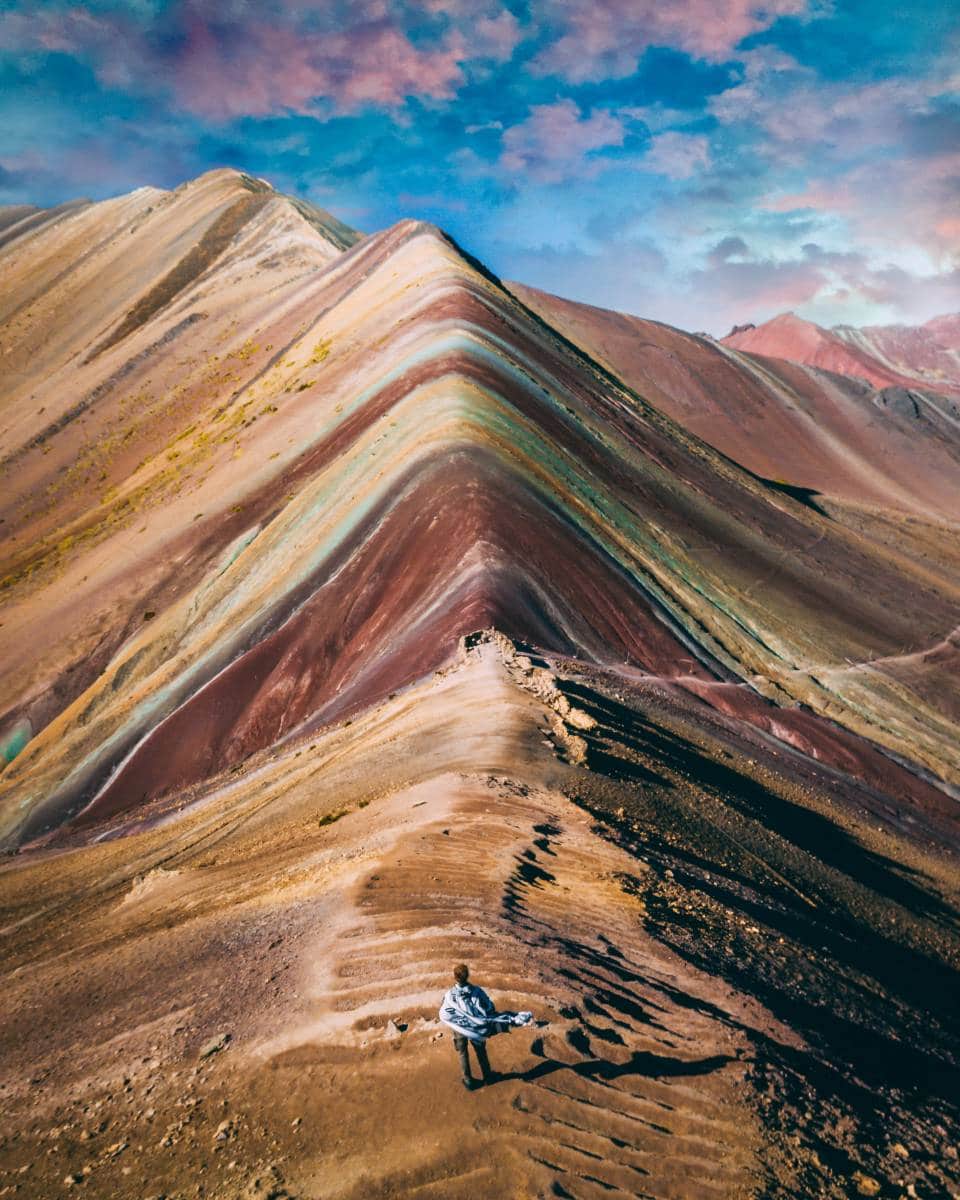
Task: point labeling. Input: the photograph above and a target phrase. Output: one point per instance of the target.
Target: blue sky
(703, 163)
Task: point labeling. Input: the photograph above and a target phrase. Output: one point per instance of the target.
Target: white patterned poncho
(469, 1011)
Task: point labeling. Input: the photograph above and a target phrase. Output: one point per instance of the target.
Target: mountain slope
(640, 543)
(90, 443)
(815, 431)
(357, 621)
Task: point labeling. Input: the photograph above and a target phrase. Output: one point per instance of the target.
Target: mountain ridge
(476, 422)
(364, 614)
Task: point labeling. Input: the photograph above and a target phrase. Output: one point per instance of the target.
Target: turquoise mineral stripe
(14, 740)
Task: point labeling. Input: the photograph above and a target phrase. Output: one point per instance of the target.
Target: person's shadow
(653, 1066)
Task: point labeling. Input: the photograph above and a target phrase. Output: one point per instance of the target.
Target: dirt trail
(631, 1083)
(312, 908)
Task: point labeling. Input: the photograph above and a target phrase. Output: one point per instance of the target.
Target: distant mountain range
(925, 356)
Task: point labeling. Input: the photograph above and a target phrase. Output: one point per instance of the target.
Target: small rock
(297, 1122)
(579, 719)
(225, 1130)
(268, 1186)
(74, 1178)
(900, 1150)
(866, 1185)
(214, 1045)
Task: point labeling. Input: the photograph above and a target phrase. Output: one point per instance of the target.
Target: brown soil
(743, 983)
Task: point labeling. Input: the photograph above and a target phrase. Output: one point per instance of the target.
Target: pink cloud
(820, 197)
(677, 155)
(495, 37)
(277, 69)
(765, 286)
(799, 111)
(555, 139)
(889, 205)
(949, 230)
(606, 41)
(876, 158)
(234, 63)
(111, 43)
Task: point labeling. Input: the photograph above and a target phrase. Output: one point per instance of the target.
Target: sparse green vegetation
(321, 351)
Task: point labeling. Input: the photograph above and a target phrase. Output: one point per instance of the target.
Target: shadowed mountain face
(264, 480)
(883, 446)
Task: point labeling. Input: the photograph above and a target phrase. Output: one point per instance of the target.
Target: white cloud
(677, 155)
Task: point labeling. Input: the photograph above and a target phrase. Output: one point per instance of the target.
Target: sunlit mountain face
(925, 356)
(363, 614)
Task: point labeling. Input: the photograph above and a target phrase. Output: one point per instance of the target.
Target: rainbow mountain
(363, 612)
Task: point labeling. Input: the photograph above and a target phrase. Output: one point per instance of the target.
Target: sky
(704, 163)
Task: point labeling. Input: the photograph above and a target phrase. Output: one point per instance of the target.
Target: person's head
(461, 973)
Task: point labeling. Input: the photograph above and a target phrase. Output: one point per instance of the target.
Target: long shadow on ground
(832, 962)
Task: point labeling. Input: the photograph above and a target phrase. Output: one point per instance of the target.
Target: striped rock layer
(262, 480)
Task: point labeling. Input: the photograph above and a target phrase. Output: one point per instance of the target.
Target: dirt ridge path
(630, 1084)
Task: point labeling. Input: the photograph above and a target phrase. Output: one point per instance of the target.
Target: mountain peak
(791, 320)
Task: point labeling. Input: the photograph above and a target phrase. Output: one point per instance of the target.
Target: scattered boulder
(866, 1185)
(579, 719)
(225, 1131)
(267, 1186)
(214, 1045)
